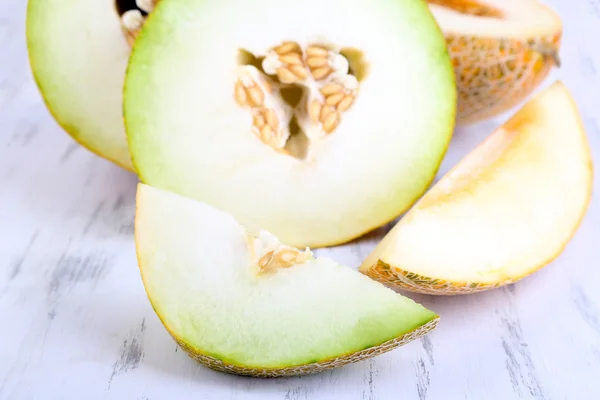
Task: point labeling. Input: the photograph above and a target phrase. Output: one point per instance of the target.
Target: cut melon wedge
(78, 52)
(501, 49)
(243, 303)
(282, 114)
(505, 211)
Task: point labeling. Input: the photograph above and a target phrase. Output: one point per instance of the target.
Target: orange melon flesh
(503, 212)
(501, 51)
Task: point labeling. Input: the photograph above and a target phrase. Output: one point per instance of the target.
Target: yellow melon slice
(501, 50)
(506, 210)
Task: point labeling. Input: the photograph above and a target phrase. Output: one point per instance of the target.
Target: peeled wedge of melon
(78, 52)
(503, 212)
(242, 302)
(282, 114)
(501, 50)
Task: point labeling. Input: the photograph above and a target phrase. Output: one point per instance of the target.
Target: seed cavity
(319, 76)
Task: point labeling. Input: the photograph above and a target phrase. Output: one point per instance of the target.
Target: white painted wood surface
(75, 322)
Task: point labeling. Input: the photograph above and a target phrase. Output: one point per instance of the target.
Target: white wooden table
(75, 322)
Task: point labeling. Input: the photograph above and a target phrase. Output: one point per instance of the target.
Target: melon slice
(505, 211)
(78, 52)
(244, 303)
(282, 114)
(501, 49)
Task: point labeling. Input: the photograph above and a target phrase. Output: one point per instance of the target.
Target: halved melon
(506, 210)
(78, 52)
(243, 303)
(501, 49)
(289, 116)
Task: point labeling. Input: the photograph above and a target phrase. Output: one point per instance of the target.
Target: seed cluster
(329, 75)
(251, 89)
(282, 257)
(247, 92)
(323, 71)
(323, 62)
(286, 62)
(271, 254)
(291, 65)
(265, 125)
(338, 97)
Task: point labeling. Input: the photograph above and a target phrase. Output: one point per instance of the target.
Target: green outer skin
(155, 171)
(52, 39)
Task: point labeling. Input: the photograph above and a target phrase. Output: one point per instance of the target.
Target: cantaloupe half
(505, 211)
(78, 52)
(242, 302)
(501, 49)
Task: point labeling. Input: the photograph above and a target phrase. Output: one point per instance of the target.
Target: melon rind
(397, 278)
(221, 366)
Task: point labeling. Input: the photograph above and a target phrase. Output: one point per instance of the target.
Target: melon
(277, 112)
(502, 213)
(78, 52)
(502, 50)
(244, 303)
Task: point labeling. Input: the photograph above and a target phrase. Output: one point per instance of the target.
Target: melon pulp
(282, 114)
(503, 212)
(241, 302)
(78, 52)
(501, 50)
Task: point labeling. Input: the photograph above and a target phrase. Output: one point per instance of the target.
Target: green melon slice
(78, 55)
(238, 302)
(308, 186)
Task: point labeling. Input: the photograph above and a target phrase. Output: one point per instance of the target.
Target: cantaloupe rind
(400, 279)
(504, 212)
(502, 50)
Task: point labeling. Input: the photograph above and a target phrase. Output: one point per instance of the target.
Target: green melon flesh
(78, 56)
(199, 273)
(187, 134)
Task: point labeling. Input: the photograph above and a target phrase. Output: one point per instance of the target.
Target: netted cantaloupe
(501, 50)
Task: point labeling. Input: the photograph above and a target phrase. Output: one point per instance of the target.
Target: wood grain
(75, 322)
